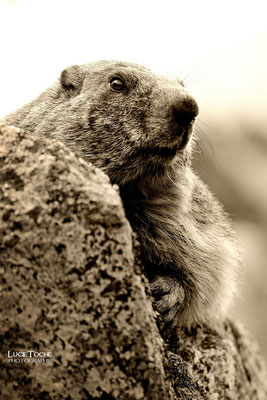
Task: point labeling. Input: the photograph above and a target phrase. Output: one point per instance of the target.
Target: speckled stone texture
(69, 281)
(223, 361)
(72, 285)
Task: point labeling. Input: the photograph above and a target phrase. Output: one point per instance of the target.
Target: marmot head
(125, 119)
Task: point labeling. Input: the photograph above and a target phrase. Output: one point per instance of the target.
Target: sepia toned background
(218, 48)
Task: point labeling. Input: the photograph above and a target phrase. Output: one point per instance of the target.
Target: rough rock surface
(72, 285)
(223, 361)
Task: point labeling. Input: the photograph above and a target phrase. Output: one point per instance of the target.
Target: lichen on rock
(72, 284)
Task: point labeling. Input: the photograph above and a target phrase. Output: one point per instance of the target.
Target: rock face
(72, 285)
(223, 361)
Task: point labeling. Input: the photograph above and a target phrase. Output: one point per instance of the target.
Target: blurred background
(218, 48)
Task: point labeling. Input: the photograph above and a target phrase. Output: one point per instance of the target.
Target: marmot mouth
(165, 152)
(156, 151)
(168, 152)
(184, 138)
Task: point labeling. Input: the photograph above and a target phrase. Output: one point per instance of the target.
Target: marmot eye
(117, 84)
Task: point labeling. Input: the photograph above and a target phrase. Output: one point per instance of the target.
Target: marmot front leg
(169, 298)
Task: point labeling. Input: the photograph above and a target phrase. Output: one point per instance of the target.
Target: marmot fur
(138, 128)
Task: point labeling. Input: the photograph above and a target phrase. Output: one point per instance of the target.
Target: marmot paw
(169, 297)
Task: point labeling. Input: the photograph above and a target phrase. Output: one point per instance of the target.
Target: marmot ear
(71, 80)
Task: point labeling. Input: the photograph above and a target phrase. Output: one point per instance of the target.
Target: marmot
(138, 128)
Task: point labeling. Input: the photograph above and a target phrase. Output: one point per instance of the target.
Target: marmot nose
(185, 110)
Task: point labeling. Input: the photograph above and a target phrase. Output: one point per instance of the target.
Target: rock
(72, 285)
(223, 361)
(69, 282)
